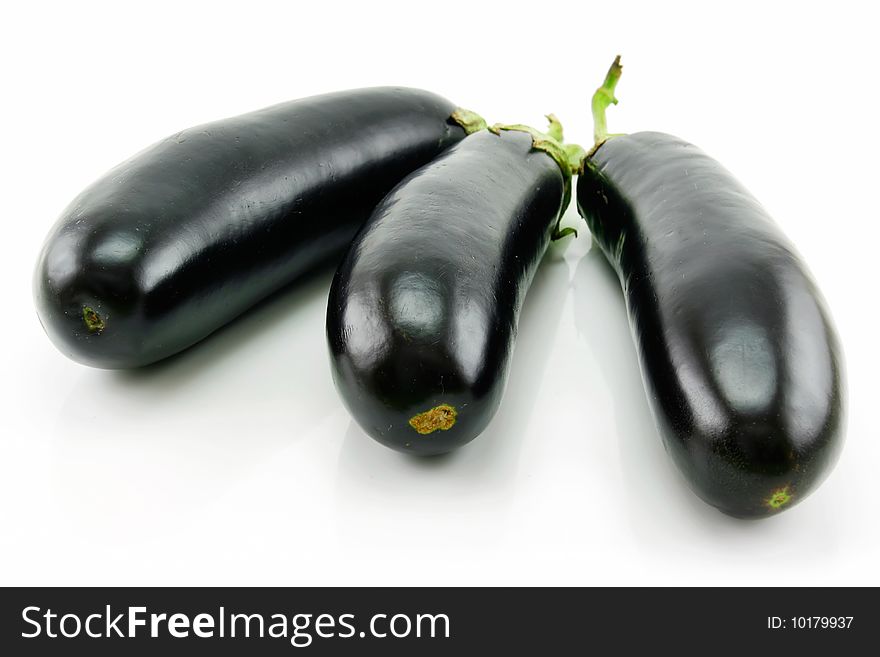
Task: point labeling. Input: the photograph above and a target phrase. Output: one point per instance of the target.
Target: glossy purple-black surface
(740, 361)
(193, 231)
(423, 309)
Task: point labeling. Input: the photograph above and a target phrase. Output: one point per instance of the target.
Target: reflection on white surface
(462, 498)
(651, 497)
(663, 515)
(141, 452)
(236, 463)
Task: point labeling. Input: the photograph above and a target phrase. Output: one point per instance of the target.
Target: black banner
(435, 621)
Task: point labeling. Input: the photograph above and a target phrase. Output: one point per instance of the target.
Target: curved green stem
(602, 99)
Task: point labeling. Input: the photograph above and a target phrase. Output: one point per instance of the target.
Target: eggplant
(423, 310)
(193, 231)
(740, 360)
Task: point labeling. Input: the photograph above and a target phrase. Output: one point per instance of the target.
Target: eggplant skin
(193, 231)
(423, 310)
(740, 360)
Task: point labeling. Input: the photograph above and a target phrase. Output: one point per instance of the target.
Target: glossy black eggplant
(739, 357)
(193, 231)
(423, 310)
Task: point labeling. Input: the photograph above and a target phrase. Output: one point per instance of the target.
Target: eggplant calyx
(569, 158)
(550, 142)
(470, 121)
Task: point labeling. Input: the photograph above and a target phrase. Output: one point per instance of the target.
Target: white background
(235, 463)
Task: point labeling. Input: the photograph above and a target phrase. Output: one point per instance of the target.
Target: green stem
(602, 99)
